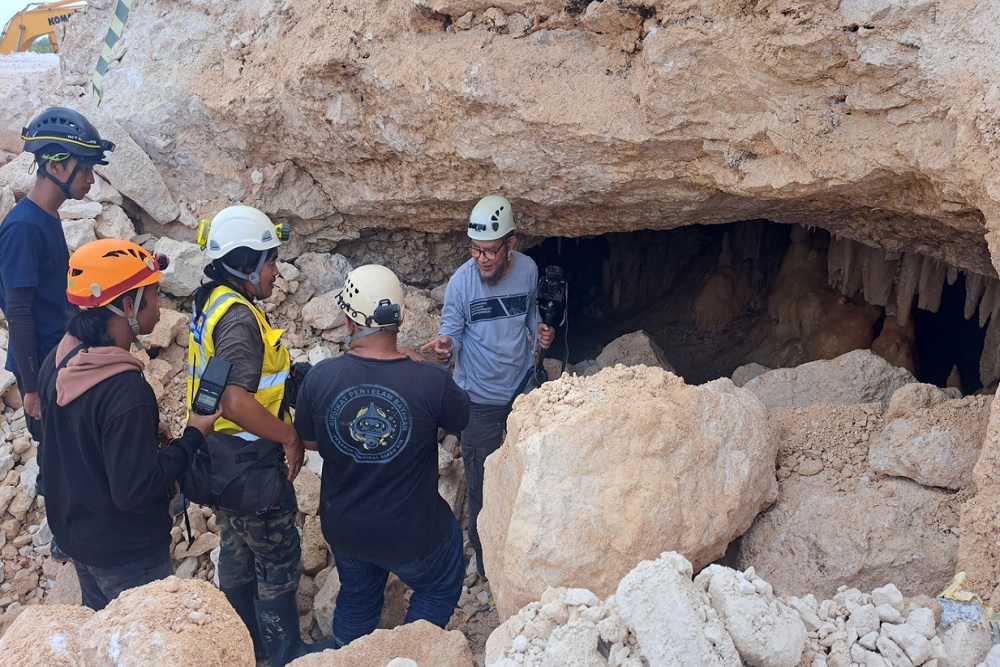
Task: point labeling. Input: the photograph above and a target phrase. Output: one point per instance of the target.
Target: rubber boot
(242, 599)
(279, 627)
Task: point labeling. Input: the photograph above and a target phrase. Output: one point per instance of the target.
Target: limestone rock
(184, 275)
(322, 312)
(325, 600)
(131, 171)
(45, 635)
(315, 552)
(78, 232)
(665, 610)
(325, 272)
(16, 174)
(171, 325)
(422, 642)
(307, 489)
(814, 540)
(113, 223)
(745, 373)
(172, 622)
(765, 631)
(913, 397)
(936, 446)
(73, 209)
(689, 466)
(421, 322)
(855, 377)
(632, 350)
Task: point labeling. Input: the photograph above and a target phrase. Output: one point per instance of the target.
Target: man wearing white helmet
(490, 325)
(260, 562)
(374, 414)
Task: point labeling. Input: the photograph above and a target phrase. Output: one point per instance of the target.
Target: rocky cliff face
(875, 120)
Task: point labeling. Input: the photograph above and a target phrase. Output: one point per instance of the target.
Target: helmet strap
(253, 277)
(62, 186)
(133, 322)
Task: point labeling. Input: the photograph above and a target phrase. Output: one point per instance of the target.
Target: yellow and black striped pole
(114, 34)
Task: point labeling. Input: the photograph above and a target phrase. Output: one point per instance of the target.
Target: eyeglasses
(488, 253)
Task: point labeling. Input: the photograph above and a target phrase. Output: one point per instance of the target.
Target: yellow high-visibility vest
(277, 363)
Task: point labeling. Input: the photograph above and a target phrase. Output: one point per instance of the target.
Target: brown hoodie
(89, 367)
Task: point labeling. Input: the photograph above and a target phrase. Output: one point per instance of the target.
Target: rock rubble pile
(662, 615)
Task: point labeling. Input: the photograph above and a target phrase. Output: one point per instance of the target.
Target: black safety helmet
(58, 131)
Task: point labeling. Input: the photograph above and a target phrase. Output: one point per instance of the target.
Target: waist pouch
(237, 475)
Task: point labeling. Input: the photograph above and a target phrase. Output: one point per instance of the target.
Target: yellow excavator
(37, 19)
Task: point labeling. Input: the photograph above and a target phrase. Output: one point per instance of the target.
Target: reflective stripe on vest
(271, 388)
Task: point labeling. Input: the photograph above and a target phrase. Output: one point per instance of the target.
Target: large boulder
(856, 377)
(599, 473)
(816, 539)
(169, 623)
(424, 643)
(936, 446)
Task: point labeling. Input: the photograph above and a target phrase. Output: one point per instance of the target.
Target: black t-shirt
(376, 424)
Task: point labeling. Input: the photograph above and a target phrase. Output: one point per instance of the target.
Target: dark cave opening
(654, 281)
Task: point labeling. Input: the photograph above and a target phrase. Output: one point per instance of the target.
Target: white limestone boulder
(671, 617)
(765, 631)
(856, 377)
(187, 262)
(599, 473)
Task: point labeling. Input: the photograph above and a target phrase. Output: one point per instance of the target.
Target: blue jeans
(435, 577)
(483, 436)
(101, 585)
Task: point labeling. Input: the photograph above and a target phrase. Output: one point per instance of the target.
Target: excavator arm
(36, 20)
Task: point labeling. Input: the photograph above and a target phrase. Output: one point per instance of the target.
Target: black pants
(483, 436)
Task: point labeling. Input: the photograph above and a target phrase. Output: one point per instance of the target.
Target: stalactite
(952, 275)
(974, 286)
(835, 263)
(879, 275)
(986, 305)
(931, 284)
(906, 285)
(989, 361)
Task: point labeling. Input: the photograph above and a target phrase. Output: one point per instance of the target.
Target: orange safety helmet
(101, 271)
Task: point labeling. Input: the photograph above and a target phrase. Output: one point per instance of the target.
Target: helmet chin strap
(133, 322)
(62, 186)
(254, 277)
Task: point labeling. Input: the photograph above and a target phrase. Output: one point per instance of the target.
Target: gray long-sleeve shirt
(493, 329)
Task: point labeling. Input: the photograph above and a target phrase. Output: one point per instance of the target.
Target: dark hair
(90, 326)
(242, 259)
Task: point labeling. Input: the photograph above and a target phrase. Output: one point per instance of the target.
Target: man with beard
(490, 325)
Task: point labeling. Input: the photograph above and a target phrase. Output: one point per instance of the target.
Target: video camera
(552, 290)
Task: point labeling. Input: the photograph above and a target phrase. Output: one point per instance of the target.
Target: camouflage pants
(263, 546)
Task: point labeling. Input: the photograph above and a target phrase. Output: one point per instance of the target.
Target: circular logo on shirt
(369, 422)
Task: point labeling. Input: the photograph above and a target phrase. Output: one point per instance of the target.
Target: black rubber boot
(242, 599)
(279, 627)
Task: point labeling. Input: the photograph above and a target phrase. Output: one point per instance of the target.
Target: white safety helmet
(240, 227)
(491, 219)
(372, 297)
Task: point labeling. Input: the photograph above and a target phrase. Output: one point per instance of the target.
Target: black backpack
(236, 475)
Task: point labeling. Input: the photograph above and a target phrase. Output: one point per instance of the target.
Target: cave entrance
(716, 297)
